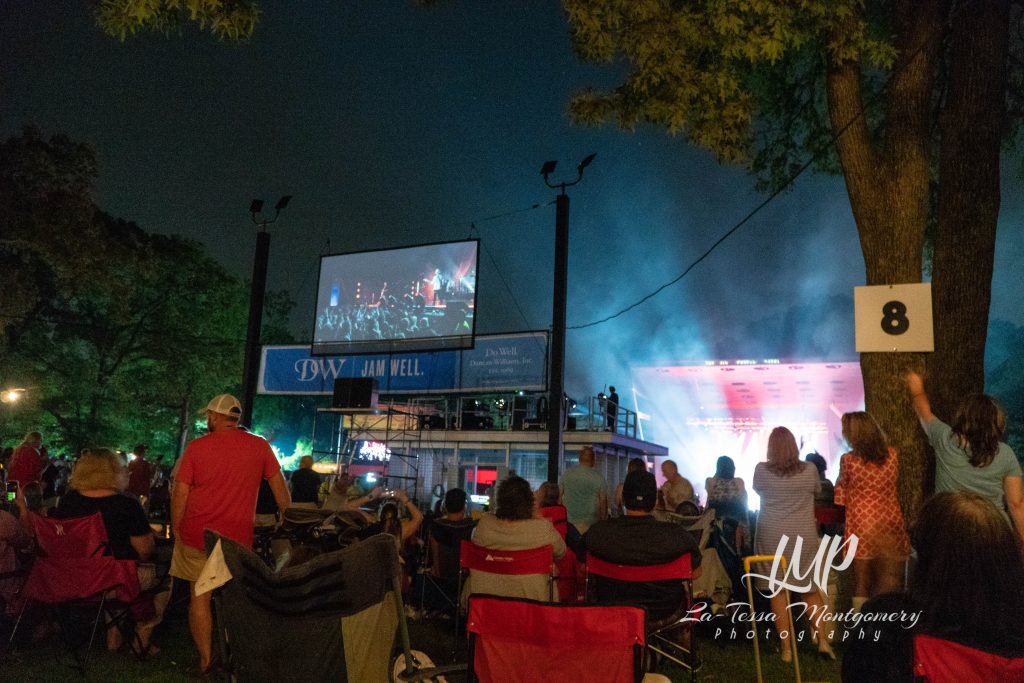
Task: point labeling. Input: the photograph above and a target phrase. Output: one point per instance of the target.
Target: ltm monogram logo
(829, 549)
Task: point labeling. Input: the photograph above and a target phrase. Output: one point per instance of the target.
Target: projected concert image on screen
(409, 299)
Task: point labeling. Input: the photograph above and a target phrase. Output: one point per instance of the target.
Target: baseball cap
(225, 404)
(639, 491)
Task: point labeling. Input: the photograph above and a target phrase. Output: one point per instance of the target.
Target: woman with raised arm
(970, 454)
(392, 521)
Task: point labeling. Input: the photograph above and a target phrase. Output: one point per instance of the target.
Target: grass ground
(725, 661)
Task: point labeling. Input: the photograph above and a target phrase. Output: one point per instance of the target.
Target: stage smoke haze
(780, 288)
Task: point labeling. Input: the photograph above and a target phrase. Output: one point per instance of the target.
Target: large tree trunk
(887, 182)
(972, 126)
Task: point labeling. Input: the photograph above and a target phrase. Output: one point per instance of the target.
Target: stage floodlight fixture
(586, 162)
(548, 168)
(282, 202)
(256, 206)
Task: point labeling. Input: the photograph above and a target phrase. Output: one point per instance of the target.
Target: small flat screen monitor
(420, 298)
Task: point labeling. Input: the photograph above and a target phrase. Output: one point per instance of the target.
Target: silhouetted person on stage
(611, 408)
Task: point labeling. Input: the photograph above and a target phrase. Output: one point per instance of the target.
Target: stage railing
(604, 417)
(514, 411)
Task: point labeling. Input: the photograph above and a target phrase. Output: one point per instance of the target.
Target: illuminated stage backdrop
(712, 408)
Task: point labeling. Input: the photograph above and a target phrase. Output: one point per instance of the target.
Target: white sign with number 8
(894, 318)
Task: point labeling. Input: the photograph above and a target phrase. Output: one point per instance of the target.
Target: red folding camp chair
(475, 558)
(559, 517)
(570, 573)
(663, 633)
(73, 567)
(942, 661)
(523, 641)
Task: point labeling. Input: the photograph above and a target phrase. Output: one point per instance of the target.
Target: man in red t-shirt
(215, 488)
(28, 460)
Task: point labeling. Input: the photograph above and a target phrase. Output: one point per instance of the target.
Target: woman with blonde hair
(787, 486)
(97, 484)
(867, 488)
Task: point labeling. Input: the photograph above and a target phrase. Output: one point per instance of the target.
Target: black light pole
(556, 383)
(251, 367)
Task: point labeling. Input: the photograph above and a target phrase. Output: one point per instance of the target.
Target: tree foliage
(46, 193)
(228, 20)
(118, 359)
(742, 79)
(233, 20)
(127, 333)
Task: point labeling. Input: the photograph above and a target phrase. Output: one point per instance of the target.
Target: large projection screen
(420, 298)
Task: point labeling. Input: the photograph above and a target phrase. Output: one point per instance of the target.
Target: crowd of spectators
(965, 584)
(978, 497)
(392, 318)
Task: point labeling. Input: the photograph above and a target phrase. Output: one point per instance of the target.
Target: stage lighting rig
(549, 167)
(256, 207)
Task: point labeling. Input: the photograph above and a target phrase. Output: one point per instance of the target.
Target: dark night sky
(393, 125)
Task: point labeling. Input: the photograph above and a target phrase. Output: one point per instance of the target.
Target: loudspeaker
(355, 392)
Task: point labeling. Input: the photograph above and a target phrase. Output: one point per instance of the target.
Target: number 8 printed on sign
(883, 315)
(894, 318)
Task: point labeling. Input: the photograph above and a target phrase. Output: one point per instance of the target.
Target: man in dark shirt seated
(449, 530)
(305, 485)
(638, 539)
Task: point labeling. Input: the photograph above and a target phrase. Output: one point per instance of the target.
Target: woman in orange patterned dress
(867, 487)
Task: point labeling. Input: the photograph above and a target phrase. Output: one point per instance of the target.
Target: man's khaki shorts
(187, 562)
